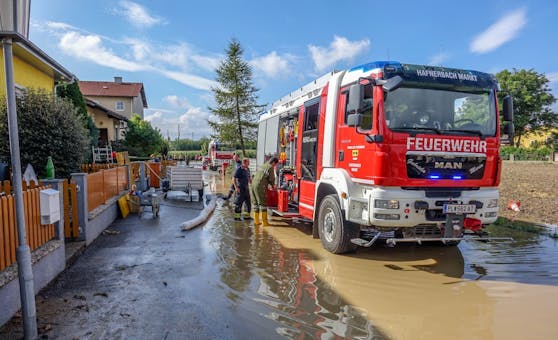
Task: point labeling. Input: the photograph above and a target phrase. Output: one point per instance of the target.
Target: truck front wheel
(335, 233)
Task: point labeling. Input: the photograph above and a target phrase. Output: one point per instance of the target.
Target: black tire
(335, 233)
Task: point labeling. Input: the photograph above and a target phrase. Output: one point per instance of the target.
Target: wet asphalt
(143, 278)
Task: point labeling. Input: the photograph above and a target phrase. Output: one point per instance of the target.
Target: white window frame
(123, 106)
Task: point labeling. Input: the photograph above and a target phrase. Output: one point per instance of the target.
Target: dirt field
(535, 184)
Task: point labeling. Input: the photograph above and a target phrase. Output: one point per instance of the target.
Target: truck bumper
(396, 207)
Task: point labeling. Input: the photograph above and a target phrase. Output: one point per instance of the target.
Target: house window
(120, 106)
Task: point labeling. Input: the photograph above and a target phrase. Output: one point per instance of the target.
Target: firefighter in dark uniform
(263, 178)
(241, 181)
(237, 164)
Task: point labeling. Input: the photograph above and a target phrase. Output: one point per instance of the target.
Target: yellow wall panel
(25, 75)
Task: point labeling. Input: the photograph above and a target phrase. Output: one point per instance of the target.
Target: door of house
(103, 137)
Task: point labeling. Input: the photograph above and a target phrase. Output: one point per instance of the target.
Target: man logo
(448, 165)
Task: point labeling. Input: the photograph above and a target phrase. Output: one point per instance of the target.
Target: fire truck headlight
(492, 203)
(386, 204)
(491, 214)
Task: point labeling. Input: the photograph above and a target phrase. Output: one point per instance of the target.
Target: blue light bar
(457, 177)
(434, 177)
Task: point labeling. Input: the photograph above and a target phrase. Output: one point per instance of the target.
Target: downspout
(73, 80)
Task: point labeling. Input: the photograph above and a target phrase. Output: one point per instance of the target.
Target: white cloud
(272, 64)
(136, 14)
(438, 59)
(502, 31)
(552, 77)
(90, 47)
(340, 49)
(59, 26)
(141, 49)
(193, 120)
(145, 57)
(189, 79)
(155, 116)
(177, 102)
(174, 55)
(205, 62)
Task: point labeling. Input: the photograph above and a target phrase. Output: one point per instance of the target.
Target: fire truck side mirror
(356, 96)
(508, 109)
(507, 135)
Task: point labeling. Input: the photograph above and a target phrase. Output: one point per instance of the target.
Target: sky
(174, 46)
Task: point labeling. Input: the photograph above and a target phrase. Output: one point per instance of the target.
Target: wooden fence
(37, 234)
(105, 184)
(6, 186)
(96, 167)
(71, 220)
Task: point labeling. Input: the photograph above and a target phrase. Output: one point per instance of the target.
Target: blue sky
(173, 47)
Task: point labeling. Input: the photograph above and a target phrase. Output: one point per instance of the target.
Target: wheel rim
(329, 225)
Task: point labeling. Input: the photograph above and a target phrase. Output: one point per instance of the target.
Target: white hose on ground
(202, 217)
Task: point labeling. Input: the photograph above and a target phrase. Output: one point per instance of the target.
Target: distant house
(539, 138)
(33, 68)
(111, 125)
(120, 97)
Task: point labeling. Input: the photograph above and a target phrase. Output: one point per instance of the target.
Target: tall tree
(532, 98)
(73, 93)
(236, 108)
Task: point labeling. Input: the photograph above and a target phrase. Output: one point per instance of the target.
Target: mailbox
(50, 206)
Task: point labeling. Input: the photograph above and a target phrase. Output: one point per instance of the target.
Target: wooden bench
(185, 178)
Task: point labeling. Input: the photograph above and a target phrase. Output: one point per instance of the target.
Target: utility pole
(14, 26)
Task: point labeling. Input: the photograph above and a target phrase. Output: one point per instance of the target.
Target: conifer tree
(236, 109)
(72, 92)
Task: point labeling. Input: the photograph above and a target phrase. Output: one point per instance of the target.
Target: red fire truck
(219, 155)
(389, 151)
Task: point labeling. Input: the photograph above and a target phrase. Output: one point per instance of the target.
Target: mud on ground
(535, 184)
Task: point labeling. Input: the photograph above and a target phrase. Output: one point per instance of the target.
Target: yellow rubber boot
(257, 218)
(264, 219)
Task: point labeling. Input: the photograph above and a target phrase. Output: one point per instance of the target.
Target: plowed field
(535, 185)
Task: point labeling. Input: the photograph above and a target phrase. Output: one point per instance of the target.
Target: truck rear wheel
(335, 233)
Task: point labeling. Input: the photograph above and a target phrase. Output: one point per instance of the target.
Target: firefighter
(241, 181)
(238, 164)
(263, 178)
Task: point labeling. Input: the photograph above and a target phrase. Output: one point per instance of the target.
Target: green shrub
(526, 154)
(47, 127)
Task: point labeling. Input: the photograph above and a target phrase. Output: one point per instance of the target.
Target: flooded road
(232, 280)
(504, 290)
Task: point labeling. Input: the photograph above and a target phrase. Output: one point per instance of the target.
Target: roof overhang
(110, 113)
(30, 53)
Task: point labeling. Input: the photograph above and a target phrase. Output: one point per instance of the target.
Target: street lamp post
(14, 25)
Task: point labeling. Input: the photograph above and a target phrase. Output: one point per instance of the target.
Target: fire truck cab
(392, 151)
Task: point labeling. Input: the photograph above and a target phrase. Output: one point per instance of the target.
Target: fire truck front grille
(427, 230)
(445, 167)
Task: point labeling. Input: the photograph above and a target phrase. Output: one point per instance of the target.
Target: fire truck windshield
(441, 111)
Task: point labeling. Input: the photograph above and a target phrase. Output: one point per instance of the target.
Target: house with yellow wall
(111, 125)
(530, 139)
(111, 104)
(33, 68)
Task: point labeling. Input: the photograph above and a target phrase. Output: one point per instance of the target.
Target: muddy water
(477, 290)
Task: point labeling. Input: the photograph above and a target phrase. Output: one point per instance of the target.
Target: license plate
(460, 208)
